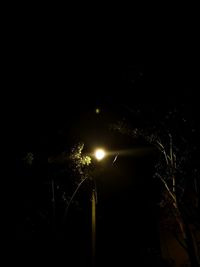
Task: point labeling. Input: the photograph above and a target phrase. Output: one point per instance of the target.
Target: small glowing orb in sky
(97, 110)
(99, 154)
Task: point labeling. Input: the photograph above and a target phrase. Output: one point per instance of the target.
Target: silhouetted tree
(174, 168)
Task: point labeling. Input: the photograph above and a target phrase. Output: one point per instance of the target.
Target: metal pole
(93, 226)
(53, 205)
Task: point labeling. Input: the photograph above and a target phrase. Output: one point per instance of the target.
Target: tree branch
(72, 197)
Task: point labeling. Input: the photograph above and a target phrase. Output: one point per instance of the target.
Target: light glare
(97, 110)
(99, 154)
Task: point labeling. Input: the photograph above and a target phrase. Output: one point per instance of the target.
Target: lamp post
(93, 201)
(99, 155)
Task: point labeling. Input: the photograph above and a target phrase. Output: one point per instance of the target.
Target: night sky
(56, 97)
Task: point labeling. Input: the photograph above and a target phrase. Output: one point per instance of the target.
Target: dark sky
(55, 99)
(54, 90)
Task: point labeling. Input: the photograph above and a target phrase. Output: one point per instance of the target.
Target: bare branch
(169, 191)
(72, 197)
(161, 147)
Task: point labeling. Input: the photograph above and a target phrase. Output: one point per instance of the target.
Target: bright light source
(99, 154)
(97, 110)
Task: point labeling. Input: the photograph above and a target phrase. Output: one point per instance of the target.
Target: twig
(161, 147)
(72, 197)
(169, 191)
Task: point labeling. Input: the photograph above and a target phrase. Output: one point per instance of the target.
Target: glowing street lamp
(99, 154)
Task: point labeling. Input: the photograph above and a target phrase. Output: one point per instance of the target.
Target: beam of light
(134, 152)
(99, 154)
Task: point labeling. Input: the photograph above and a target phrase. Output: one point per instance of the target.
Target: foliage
(79, 162)
(173, 169)
(29, 158)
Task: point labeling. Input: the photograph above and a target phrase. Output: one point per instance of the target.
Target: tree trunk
(190, 245)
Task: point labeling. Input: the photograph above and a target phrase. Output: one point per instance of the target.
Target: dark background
(58, 85)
